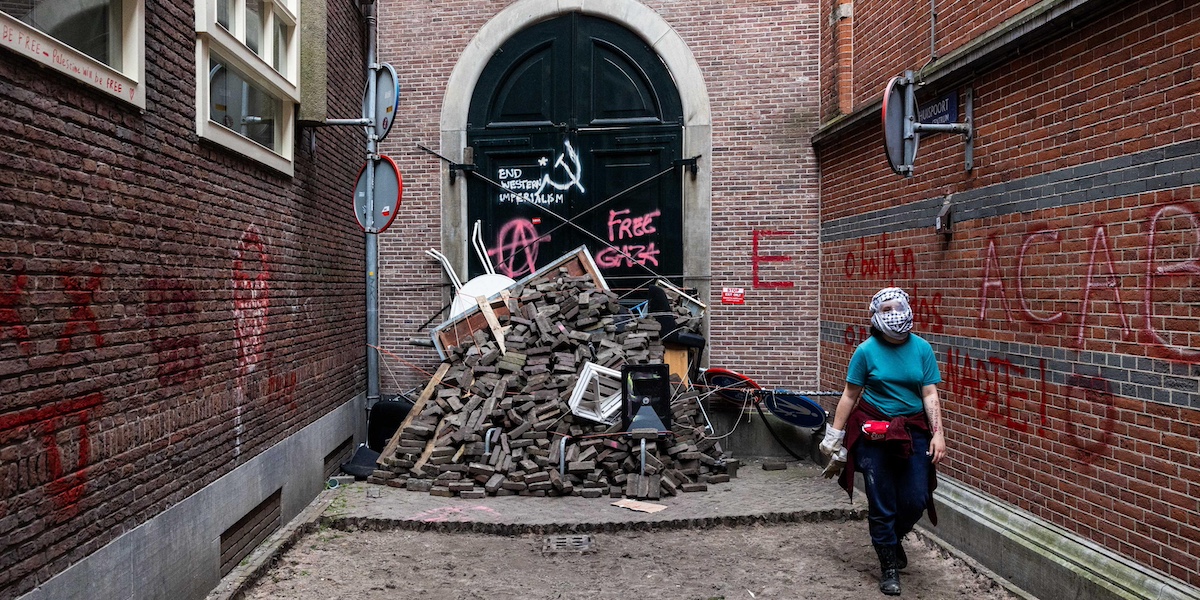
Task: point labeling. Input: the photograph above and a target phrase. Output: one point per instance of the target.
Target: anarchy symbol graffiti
(517, 239)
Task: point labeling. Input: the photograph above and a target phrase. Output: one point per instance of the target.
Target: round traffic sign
(901, 151)
(386, 197)
(387, 100)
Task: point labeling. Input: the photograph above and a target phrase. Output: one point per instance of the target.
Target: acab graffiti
(1103, 281)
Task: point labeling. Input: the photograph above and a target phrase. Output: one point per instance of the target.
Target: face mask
(896, 323)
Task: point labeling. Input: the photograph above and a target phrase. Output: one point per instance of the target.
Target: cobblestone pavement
(797, 493)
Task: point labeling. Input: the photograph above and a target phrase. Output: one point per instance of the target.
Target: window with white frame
(247, 84)
(98, 42)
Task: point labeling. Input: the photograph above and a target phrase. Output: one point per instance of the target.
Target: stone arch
(684, 69)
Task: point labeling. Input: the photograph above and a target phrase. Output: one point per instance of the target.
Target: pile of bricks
(495, 419)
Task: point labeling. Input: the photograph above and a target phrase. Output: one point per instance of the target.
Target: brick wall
(1063, 306)
(759, 61)
(167, 309)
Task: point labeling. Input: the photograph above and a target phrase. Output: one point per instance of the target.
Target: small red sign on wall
(733, 295)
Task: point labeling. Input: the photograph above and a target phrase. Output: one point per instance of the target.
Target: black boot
(889, 583)
(901, 557)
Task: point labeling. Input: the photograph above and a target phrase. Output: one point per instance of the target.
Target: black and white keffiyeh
(897, 322)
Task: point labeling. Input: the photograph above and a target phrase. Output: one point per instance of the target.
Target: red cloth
(897, 437)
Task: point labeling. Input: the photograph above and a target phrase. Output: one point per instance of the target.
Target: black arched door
(578, 125)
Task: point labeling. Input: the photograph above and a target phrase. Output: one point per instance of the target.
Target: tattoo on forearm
(935, 415)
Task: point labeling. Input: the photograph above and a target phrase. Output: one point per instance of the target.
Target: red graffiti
(756, 259)
(518, 237)
(82, 294)
(1009, 394)
(1095, 393)
(629, 254)
(171, 306)
(10, 321)
(990, 384)
(1029, 240)
(1103, 281)
(67, 483)
(625, 227)
(251, 285)
(880, 262)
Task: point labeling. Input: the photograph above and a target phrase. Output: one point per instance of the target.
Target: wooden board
(426, 394)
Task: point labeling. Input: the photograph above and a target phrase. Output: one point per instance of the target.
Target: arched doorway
(577, 127)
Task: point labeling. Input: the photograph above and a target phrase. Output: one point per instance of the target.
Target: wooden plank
(493, 322)
(437, 433)
(426, 394)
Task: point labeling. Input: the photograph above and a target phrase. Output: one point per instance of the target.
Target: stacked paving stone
(495, 421)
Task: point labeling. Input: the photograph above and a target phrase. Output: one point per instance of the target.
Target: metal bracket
(460, 167)
(689, 163)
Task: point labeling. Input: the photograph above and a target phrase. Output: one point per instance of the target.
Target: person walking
(888, 425)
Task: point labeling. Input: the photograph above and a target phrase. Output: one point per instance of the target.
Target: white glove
(837, 462)
(833, 442)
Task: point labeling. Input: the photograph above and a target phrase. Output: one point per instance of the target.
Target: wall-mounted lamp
(942, 224)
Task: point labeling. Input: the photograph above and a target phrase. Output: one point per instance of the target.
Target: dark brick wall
(168, 309)
(1063, 308)
(759, 62)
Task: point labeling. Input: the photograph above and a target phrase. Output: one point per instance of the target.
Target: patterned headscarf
(897, 322)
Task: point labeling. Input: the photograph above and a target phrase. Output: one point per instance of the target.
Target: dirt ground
(826, 561)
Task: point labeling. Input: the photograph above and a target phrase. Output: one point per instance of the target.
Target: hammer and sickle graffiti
(573, 175)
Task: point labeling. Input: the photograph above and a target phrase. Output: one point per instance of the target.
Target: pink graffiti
(1191, 266)
(629, 255)
(518, 238)
(251, 274)
(630, 227)
(1100, 240)
(1101, 279)
(444, 514)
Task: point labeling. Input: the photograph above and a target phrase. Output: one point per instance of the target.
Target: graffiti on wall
(63, 431)
(516, 249)
(1167, 252)
(251, 299)
(549, 189)
(627, 243)
(1018, 398)
(757, 259)
(875, 261)
(81, 291)
(171, 304)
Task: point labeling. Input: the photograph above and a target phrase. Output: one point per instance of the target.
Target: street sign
(904, 123)
(386, 199)
(387, 100)
(899, 145)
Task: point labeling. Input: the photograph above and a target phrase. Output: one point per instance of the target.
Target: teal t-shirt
(892, 375)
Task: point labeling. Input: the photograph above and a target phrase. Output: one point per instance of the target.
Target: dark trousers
(897, 488)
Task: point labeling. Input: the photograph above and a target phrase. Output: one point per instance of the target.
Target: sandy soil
(827, 561)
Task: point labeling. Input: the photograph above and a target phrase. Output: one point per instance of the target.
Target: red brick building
(181, 284)
(734, 84)
(1062, 302)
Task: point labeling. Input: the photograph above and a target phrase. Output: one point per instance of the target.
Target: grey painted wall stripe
(1162, 168)
(1140, 377)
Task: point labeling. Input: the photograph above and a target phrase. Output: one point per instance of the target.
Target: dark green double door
(578, 125)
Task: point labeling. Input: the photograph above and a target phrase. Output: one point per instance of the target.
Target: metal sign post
(902, 127)
(380, 102)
